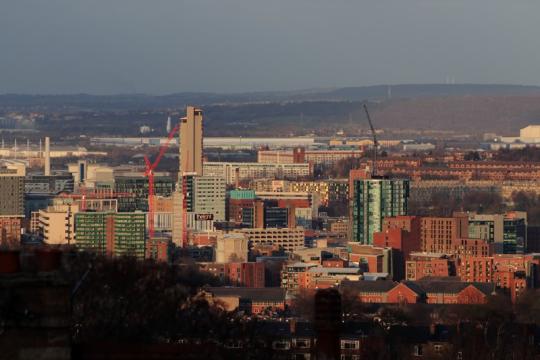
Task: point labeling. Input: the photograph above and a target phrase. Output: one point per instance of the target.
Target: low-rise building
(243, 274)
(233, 172)
(250, 300)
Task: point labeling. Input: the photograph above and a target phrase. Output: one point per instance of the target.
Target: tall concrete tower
(47, 170)
(191, 142)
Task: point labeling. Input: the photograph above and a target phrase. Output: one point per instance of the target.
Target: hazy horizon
(139, 47)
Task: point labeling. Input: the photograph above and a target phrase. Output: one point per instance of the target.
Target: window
(350, 344)
(303, 343)
(281, 345)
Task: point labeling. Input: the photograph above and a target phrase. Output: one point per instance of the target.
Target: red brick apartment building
(423, 265)
(441, 234)
(247, 274)
(464, 170)
(428, 234)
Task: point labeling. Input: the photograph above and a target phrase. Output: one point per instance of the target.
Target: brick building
(423, 265)
(252, 301)
(10, 231)
(246, 274)
(441, 234)
(430, 291)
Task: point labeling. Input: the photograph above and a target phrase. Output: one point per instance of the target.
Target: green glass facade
(90, 231)
(117, 234)
(372, 201)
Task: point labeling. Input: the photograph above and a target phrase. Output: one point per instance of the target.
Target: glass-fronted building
(112, 234)
(373, 200)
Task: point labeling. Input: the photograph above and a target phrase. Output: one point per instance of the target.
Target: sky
(167, 46)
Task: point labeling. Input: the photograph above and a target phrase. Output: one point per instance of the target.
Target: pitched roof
(449, 287)
(363, 286)
(414, 287)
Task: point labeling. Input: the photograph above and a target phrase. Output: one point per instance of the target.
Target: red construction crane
(149, 172)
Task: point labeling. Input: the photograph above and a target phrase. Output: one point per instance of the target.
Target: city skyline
(389, 210)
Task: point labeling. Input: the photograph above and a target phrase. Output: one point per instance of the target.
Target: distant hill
(178, 100)
(466, 108)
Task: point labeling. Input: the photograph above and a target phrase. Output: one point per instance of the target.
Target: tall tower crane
(149, 172)
(375, 143)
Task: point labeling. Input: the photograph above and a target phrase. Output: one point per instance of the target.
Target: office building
(191, 142)
(205, 195)
(372, 201)
(237, 201)
(508, 232)
(52, 184)
(112, 234)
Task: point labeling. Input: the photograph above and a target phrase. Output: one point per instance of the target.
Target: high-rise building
(442, 234)
(57, 224)
(191, 142)
(205, 195)
(11, 192)
(112, 234)
(373, 200)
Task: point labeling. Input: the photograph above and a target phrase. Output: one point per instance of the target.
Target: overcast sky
(165, 46)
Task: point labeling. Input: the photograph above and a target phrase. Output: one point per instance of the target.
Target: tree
(123, 299)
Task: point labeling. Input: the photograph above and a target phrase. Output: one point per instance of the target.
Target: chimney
(47, 170)
(168, 128)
